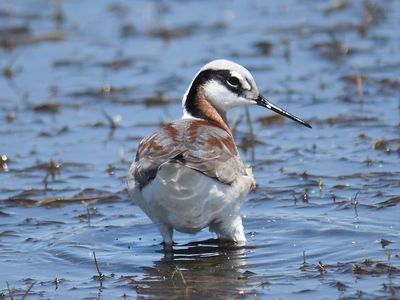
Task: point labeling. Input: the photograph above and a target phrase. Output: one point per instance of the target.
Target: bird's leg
(230, 230)
(166, 232)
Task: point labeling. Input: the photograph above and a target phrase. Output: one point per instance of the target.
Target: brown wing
(197, 144)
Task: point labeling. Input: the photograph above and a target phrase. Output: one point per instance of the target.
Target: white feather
(222, 98)
(188, 201)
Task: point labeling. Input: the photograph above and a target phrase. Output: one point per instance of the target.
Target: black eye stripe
(204, 76)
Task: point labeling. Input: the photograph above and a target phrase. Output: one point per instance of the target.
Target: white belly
(188, 200)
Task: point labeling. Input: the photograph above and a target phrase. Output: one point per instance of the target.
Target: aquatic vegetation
(83, 82)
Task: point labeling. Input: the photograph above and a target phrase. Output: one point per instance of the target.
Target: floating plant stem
(251, 134)
(27, 291)
(101, 275)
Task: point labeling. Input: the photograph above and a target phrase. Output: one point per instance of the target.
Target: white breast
(189, 201)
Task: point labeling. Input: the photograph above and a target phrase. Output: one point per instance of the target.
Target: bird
(188, 175)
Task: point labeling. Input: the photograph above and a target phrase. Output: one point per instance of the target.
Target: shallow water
(83, 83)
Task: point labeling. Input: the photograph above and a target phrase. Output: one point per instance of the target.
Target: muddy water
(83, 82)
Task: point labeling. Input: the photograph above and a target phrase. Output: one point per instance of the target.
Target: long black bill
(265, 103)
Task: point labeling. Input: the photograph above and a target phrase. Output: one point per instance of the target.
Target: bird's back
(197, 144)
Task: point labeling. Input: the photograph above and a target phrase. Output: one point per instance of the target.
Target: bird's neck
(197, 106)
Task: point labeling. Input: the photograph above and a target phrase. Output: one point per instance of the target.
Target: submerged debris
(12, 42)
(47, 107)
(393, 201)
(377, 269)
(4, 161)
(12, 31)
(385, 243)
(380, 145)
(341, 286)
(58, 15)
(336, 5)
(246, 275)
(321, 267)
(28, 202)
(343, 119)
(117, 64)
(128, 30)
(110, 169)
(112, 121)
(388, 146)
(320, 184)
(167, 33)
(105, 90)
(354, 78)
(270, 119)
(100, 276)
(263, 47)
(67, 62)
(333, 49)
(373, 12)
(10, 117)
(304, 197)
(52, 168)
(304, 265)
(368, 262)
(159, 98)
(57, 282)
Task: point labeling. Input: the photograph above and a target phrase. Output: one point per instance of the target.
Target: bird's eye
(233, 81)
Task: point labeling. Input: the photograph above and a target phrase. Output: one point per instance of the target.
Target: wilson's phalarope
(188, 175)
